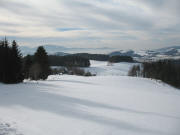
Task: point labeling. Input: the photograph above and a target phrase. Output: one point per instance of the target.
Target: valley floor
(99, 105)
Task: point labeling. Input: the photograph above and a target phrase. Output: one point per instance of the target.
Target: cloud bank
(121, 24)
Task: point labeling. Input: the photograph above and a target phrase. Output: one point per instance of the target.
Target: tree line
(82, 59)
(104, 57)
(37, 66)
(98, 57)
(117, 58)
(68, 61)
(14, 69)
(11, 68)
(166, 70)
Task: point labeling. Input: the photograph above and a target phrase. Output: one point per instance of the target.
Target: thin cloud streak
(121, 24)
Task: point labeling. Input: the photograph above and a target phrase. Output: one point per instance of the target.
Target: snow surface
(98, 105)
(102, 68)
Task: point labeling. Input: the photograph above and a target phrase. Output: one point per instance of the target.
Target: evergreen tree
(166, 70)
(11, 63)
(35, 71)
(41, 58)
(17, 63)
(27, 65)
(6, 70)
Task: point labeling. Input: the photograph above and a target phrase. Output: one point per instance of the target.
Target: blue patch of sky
(69, 29)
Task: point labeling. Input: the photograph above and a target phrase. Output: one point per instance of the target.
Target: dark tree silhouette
(41, 58)
(27, 65)
(17, 63)
(69, 61)
(35, 71)
(166, 70)
(11, 63)
(116, 59)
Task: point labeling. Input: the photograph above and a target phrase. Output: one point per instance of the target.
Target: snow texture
(98, 105)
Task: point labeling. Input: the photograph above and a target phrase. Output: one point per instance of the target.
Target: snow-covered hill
(62, 50)
(156, 54)
(98, 105)
(141, 55)
(103, 68)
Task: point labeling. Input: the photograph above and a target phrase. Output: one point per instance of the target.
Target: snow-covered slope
(101, 68)
(99, 105)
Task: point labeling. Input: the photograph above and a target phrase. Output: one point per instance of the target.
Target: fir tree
(41, 58)
(27, 65)
(17, 62)
(11, 63)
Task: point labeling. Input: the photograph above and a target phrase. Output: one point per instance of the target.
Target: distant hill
(61, 54)
(125, 53)
(162, 53)
(168, 48)
(61, 50)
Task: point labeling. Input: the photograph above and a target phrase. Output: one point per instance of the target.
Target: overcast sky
(121, 24)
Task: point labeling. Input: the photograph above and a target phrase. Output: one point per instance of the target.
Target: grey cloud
(7, 4)
(116, 17)
(4, 24)
(95, 18)
(14, 6)
(165, 5)
(154, 3)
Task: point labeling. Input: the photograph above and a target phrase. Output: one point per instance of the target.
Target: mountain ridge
(166, 52)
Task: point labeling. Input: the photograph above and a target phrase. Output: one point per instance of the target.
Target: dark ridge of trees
(167, 71)
(176, 62)
(11, 68)
(28, 61)
(98, 57)
(68, 61)
(135, 71)
(116, 59)
(37, 66)
(71, 71)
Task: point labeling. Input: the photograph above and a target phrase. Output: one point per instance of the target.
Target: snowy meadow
(110, 103)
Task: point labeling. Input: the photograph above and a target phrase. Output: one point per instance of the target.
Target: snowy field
(102, 68)
(108, 104)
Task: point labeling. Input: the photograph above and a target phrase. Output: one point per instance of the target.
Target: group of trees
(104, 57)
(99, 57)
(82, 59)
(117, 58)
(166, 70)
(11, 68)
(135, 71)
(14, 68)
(68, 61)
(37, 66)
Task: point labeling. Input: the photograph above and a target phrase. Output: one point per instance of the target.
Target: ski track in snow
(107, 104)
